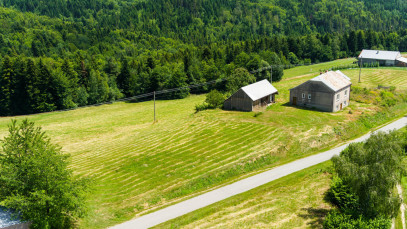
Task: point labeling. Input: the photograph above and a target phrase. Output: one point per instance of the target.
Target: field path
(241, 186)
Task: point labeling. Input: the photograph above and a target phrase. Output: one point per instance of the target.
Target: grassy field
(294, 201)
(316, 68)
(138, 166)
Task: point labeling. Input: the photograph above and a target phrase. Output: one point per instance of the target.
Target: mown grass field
(138, 166)
(316, 68)
(294, 201)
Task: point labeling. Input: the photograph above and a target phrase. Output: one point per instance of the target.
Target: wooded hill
(100, 50)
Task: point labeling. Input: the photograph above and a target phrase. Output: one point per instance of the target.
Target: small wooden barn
(252, 96)
(327, 92)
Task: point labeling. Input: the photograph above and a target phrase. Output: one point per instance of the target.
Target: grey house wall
(344, 96)
(239, 101)
(321, 96)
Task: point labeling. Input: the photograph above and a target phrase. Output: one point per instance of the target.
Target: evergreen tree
(6, 86)
(123, 79)
(20, 98)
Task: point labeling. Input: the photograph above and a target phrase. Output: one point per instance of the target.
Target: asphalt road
(241, 186)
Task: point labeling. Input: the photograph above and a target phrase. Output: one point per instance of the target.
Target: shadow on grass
(316, 215)
(287, 104)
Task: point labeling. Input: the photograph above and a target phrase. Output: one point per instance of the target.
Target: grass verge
(294, 201)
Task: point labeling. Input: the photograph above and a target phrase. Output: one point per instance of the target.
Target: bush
(201, 107)
(388, 99)
(214, 99)
(336, 219)
(342, 196)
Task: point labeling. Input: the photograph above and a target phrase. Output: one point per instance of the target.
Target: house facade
(384, 58)
(252, 97)
(328, 92)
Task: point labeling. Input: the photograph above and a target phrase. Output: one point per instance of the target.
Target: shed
(327, 92)
(384, 58)
(252, 96)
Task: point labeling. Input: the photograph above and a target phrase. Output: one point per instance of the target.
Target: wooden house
(252, 96)
(327, 92)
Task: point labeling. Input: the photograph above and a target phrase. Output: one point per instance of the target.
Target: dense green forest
(66, 53)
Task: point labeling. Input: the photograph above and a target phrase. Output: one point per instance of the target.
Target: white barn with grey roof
(251, 97)
(384, 58)
(327, 92)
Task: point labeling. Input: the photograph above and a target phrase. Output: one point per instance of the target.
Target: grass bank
(294, 201)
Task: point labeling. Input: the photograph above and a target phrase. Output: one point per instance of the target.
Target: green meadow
(294, 201)
(138, 166)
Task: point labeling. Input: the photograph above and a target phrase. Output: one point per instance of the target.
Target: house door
(341, 106)
(294, 101)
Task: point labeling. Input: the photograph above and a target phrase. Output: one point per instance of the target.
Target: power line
(132, 98)
(165, 91)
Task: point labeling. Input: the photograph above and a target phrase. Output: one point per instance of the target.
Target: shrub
(214, 99)
(335, 220)
(388, 99)
(342, 196)
(201, 107)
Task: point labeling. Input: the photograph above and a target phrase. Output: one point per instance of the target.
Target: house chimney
(377, 52)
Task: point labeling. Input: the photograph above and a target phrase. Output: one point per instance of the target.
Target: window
(309, 96)
(338, 96)
(344, 103)
(303, 95)
(337, 107)
(346, 93)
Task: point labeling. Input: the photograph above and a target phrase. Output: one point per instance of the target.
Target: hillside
(138, 166)
(205, 20)
(86, 64)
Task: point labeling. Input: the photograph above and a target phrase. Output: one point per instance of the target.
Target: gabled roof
(379, 54)
(334, 80)
(402, 59)
(259, 90)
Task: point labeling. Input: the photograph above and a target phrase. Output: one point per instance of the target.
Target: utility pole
(360, 67)
(154, 106)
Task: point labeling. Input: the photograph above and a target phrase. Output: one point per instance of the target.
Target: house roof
(334, 80)
(402, 59)
(259, 90)
(6, 220)
(379, 54)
